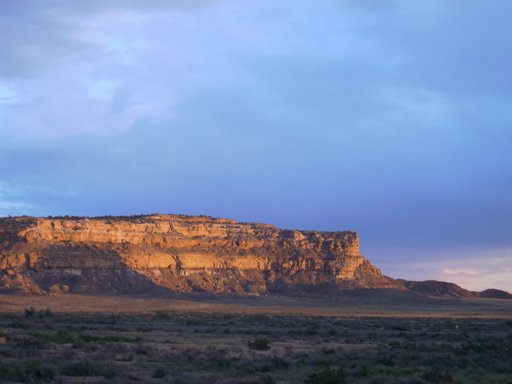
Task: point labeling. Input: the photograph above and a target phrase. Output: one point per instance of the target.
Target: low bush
(158, 373)
(31, 312)
(80, 368)
(60, 337)
(105, 339)
(87, 368)
(434, 375)
(262, 344)
(328, 376)
(161, 315)
(33, 371)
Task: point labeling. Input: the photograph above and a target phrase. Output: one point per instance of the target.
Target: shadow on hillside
(82, 269)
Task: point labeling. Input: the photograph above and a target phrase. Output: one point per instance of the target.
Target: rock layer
(176, 253)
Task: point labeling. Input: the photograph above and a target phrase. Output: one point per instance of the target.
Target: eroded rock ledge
(176, 253)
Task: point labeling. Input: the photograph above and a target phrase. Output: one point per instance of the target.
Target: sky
(392, 118)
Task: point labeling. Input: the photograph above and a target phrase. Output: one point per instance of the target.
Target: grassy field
(83, 339)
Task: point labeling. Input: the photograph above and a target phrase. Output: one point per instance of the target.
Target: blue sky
(390, 118)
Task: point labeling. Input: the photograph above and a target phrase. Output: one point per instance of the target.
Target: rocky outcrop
(162, 253)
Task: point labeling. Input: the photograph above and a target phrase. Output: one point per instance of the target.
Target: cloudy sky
(390, 118)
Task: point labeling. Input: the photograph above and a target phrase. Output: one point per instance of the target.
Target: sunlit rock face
(171, 253)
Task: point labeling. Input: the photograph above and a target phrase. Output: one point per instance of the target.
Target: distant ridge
(495, 294)
(157, 254)
(437, 288)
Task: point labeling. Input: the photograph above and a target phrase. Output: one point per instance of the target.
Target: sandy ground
(341, 306)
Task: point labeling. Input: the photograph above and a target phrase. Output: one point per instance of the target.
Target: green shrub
(81, 368)
(328, 376)
(106, 339)
(435, 375)
(161, 315)
(30, 312)
(267, 379)
(273, 364)
(385, 360)
(108, 371)
(60, 337)
(262, 344)
(33, 371)
(87, 369)
(363, 371)
(158, 373)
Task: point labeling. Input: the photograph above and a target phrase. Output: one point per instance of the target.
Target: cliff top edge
(151, 218)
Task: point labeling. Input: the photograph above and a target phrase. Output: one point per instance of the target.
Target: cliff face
(176, 253)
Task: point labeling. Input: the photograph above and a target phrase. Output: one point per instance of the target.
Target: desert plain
(357, 337)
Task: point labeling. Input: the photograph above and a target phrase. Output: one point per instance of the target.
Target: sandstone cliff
(176, 253)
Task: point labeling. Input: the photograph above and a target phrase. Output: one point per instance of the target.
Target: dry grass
(348, 305)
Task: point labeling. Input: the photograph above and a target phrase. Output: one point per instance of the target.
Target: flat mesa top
(176, 218)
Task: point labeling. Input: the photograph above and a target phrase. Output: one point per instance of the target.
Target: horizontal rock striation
(162, 253)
